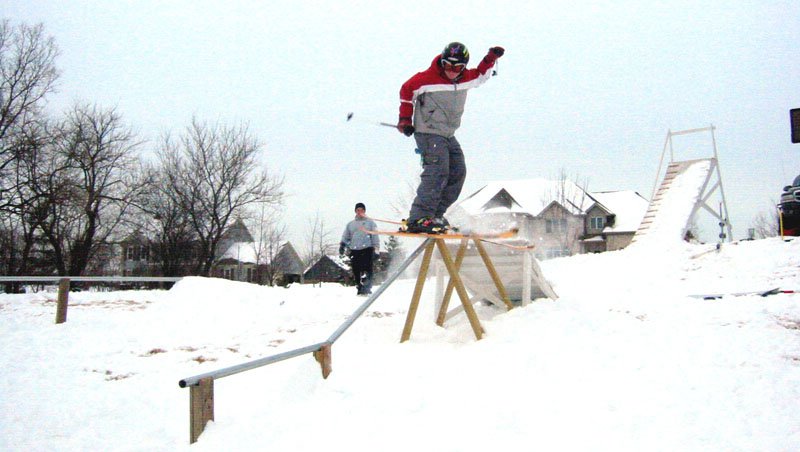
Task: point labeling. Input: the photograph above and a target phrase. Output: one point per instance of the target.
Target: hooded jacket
(437, 103)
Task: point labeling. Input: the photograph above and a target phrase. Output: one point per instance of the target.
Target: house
(559, 217)
(612, 220)
(135, 255)
(329, 268)
(236, 257)
(286, 266)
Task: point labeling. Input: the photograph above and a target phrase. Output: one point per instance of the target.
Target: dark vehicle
(790, 208)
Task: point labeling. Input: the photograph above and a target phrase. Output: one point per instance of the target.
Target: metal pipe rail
(201, 396)
(195, 380)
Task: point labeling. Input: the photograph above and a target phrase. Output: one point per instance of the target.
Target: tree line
(73, 183)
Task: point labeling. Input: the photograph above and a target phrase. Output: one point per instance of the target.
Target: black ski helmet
(455, 53)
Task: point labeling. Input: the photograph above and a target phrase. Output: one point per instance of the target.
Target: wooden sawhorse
(453, 266)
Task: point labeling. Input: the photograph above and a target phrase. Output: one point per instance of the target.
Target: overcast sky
(590, 88)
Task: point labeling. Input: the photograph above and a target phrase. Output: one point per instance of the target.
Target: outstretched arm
(404, 122)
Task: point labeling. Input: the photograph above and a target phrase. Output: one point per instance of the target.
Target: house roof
(237, 232)
(529, 196)
(336, 260)
(627, 206)
(287, 260)
(533, 196)
(244, 252)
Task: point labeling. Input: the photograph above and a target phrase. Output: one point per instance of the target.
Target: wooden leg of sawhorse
(423, 273)
(495, 277)
(450, 284)
(459, 286)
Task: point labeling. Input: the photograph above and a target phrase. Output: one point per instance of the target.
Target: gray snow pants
(443, 175)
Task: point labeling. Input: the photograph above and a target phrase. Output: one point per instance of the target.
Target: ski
(381, 220)
(510, 245)
(762, 293)
(449, 235)
(402, 224)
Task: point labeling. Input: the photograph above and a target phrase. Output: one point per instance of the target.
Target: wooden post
(527, 256)
(493, 273)
(462, 292)
(450, 284)
(423, 273)
(63, 300)
(323, 357)
(201, 407)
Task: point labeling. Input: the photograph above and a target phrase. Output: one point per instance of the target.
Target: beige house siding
(617, 241)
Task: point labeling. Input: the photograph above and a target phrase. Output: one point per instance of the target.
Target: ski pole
(387, 221)
(386, 124)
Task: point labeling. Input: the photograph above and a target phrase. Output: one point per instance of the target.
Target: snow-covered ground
(625, 359)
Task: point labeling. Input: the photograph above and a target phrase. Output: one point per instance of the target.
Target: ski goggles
(454, 67)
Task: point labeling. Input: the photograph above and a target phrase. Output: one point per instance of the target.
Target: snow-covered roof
(241, 251)
(627, 206)
(529, 196)
(532, 196)
(339, 261)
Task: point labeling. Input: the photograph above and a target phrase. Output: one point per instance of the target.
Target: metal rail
(357, 313)
(195, 380)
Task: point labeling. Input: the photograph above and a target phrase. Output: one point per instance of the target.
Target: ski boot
(426, 225)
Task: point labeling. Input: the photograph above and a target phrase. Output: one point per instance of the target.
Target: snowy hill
(624, 360)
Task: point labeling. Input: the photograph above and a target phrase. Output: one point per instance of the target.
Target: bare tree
(167, 225)
(213, 171)
(27, 74)
(85, 185)
(270, 236)
(319, 240)
(766, 224)
(21, 213)
(571, 197)
(402, 201)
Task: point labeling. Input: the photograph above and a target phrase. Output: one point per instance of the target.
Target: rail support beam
(323, 357)
(63, 300)
(201, 407)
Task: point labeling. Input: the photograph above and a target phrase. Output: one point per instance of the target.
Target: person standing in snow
(364, 248)
(431, 105)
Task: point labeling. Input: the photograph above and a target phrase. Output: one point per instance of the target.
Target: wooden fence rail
(65, 281)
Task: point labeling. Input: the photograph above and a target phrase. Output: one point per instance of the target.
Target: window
(556, 225)
(597, 222)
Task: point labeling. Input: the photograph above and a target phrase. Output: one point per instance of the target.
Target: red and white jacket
(436, 103)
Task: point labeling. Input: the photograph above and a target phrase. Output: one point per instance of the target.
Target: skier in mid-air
(431, 105)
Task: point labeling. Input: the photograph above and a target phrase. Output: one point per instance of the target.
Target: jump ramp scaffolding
(685, 189)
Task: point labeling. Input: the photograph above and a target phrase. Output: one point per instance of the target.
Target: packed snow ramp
(673, 206)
